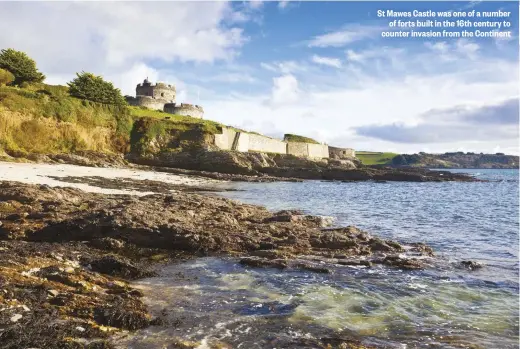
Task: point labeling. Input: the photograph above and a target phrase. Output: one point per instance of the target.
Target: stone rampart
(145, 101)
(265, 144)
(297, 149)
(310, 150)
(318, 150)
(192, 110)
(341, 153)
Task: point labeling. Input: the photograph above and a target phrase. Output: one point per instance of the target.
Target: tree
(20, 65)
(5, 77)
(93, 88)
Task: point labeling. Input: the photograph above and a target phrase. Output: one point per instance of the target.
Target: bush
(93, 88)
(5, 77)
(21, 66)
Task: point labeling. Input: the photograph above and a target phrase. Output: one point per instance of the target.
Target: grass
(179, 122)
(296, 138)
(375, 158)
(45, 119)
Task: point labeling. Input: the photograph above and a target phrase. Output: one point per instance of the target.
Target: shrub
(93, 88)
(21, 66)
(6, 77)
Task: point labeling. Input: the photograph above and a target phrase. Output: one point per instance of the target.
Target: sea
(216, 300)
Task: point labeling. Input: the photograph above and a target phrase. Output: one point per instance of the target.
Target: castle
(161, 96)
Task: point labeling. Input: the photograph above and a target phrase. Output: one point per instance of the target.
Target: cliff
(457, 160)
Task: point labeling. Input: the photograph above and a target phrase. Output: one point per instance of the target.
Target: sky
(318, 69)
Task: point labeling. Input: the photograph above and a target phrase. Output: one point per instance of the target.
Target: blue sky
(319, 69)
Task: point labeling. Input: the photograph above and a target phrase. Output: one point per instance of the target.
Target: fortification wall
(341, 153)
(145, 101)
(194, 111)
(318, 150)
(308, 149)
(266, 144)
(297, 149)
(225, 140)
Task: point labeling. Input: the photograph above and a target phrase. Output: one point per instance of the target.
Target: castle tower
(159, 91)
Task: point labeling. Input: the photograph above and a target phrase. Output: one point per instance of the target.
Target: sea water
(446, 306)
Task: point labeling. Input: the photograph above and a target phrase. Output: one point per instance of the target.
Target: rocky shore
(67, 255)
(248, 167)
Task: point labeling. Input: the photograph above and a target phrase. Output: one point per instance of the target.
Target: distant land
(448, 160)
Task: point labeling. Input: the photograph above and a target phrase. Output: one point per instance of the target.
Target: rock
(378, 245)
(356, 263)
(117, 266)
(315, 269)
(401, 262)
(80, 329)
(53, 293)
(108, 243)
(471, 265)
(264, 263)
(333, 240)
(16, 317)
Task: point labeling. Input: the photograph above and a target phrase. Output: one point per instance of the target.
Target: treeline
(18, 69)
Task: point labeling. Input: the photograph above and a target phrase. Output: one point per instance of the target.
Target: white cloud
(109, 36)
(285, 91)
(329, 61)
(345, 36)
(284, 67)
(283, 4)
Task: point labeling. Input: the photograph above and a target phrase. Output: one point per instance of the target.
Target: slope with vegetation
(87, 114)
(375, 158)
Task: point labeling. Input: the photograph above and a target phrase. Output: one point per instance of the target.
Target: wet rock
(401, 262)
(264, 263)
(333, 240)
(355, 263)
(380, 246)
(122, 316)
(117, 266)
(108, 243)
(313, 268)
(471, 265)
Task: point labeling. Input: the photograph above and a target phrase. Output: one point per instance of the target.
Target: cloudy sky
(319, 69)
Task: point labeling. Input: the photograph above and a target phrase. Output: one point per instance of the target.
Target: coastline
(70, 255)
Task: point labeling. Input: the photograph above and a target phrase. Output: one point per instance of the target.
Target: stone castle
(161, 96)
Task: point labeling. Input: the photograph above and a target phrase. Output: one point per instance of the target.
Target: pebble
(16, 317)
(81, 329)
(53, 293)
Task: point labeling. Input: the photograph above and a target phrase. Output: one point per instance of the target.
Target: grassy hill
(41, 118)
(375, 158)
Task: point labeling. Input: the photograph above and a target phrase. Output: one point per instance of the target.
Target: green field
(375, 158)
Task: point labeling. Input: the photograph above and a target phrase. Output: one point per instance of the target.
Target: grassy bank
(375, 158)
(41, 118)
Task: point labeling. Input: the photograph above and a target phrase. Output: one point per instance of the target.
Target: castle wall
(147, 102)
(243, 142)
(184, 109)
(318, 150)
(225, 140)
(308, 149)
(266, 144)
(341, 153)
(297, 149)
